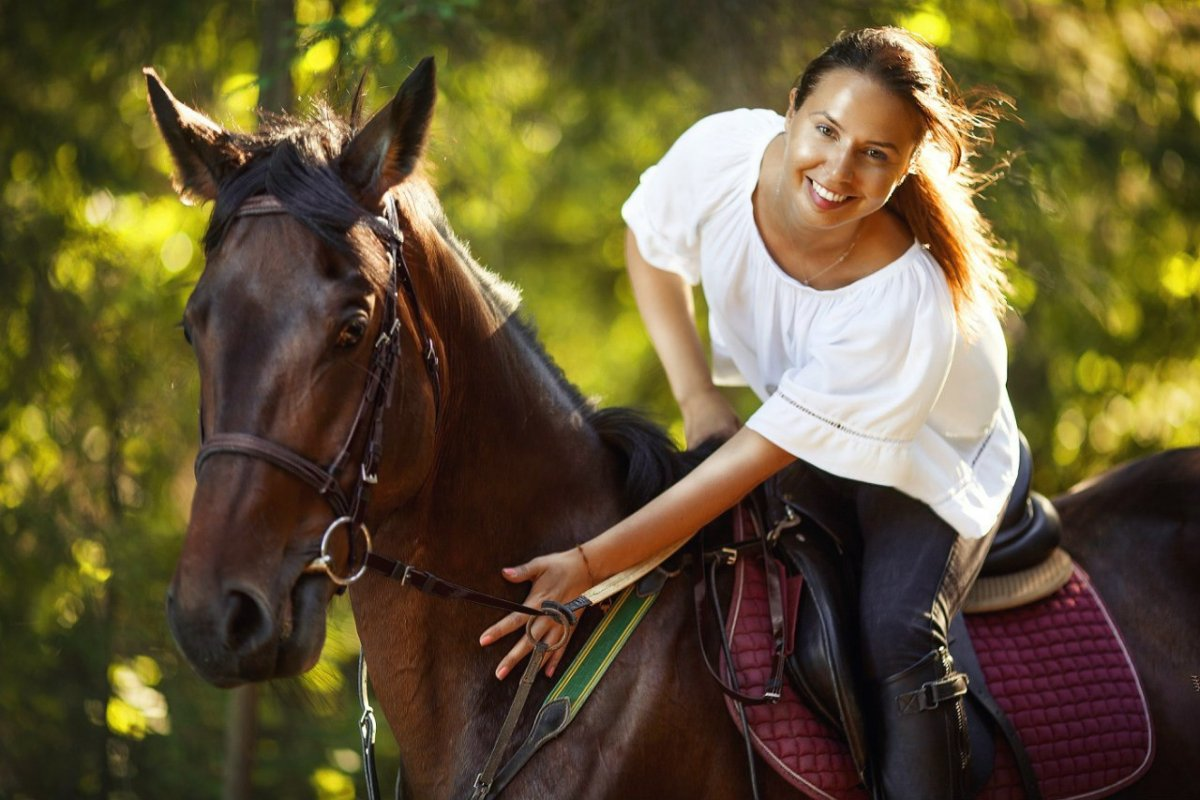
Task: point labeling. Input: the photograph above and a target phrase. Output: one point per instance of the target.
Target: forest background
(548, 112)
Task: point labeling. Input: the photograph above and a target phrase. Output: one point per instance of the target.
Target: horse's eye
(353, 332)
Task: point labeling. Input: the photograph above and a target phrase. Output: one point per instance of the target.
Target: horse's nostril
(247, 623)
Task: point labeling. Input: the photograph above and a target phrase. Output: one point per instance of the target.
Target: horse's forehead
(272, 257)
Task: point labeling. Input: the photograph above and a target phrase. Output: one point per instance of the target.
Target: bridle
(349, 508)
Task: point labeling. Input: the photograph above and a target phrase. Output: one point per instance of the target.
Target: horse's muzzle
(236, 635)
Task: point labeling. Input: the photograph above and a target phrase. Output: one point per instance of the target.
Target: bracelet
(586, 564)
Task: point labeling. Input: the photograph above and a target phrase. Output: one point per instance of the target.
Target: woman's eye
(825, 130)
(878, 155)
(353, 332)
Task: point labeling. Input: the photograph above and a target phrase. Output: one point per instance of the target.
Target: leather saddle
(824, 664)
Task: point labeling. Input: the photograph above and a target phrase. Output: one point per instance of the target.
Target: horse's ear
(387, 149)
(202, 150)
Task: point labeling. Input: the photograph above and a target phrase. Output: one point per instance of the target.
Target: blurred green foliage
(548, 113)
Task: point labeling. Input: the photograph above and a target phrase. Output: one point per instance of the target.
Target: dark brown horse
(489, 458)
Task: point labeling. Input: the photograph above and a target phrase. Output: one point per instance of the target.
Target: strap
(429, 583)
(366, 729)
(933, 693)
(580, 679)
(249, 445)
(483, 781)
(706, 586)
(967, 660)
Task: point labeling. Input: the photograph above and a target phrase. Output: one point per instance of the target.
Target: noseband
(349, 508)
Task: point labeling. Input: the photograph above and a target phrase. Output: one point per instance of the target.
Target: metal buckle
(386, 336)
(323, 562)
(368, 477)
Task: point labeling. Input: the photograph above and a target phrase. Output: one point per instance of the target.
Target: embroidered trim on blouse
(983, 445)
(839, 425)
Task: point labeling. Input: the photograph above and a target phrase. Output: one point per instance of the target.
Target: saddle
(1026, 703)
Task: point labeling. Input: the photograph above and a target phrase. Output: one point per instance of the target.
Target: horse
(485, 455)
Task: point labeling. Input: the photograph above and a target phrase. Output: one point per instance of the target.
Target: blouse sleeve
(675, 196)
(857, 404)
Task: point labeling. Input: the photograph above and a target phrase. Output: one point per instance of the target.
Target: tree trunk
(277, 35)
(241, 736)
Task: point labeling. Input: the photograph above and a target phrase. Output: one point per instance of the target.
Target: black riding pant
(914, 570)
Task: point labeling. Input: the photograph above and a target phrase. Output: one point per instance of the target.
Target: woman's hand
(559, 576)
(708, 415)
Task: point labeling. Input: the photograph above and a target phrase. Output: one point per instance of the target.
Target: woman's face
(846, 149)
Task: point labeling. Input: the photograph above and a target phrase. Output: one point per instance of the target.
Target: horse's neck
(518, 473)
(517, 456)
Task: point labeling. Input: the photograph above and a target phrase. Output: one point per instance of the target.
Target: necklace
(807, 281)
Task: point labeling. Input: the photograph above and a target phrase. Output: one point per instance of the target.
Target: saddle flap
(823, 665)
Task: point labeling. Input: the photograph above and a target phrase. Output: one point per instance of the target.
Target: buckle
(386, 336)
(369, 477)
(934, 693)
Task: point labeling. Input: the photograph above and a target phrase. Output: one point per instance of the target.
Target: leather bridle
(349, 508)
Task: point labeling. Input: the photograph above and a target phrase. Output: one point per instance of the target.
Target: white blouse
(873, 381)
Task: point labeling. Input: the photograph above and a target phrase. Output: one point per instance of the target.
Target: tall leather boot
(924, 750)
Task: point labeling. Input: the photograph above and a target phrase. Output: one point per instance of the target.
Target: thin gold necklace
(845, 253)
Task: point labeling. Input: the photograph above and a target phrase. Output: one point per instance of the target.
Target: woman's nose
(842, 164)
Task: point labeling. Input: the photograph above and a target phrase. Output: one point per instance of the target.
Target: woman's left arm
(723, 479)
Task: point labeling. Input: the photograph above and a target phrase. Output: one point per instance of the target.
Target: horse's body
(501, 462)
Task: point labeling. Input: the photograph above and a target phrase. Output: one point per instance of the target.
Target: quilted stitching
(1056, 667)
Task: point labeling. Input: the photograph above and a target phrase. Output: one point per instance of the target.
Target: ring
(323, 561)
(557, 615)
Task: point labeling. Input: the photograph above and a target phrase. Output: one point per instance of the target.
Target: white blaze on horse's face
(283, 324)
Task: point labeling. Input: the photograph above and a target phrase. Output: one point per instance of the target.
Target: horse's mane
(294, 158)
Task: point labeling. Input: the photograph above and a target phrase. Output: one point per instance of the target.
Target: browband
(260, 205)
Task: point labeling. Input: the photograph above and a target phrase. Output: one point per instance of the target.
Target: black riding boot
(924, 750)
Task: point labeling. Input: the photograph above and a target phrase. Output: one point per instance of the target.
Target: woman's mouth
(826, 198)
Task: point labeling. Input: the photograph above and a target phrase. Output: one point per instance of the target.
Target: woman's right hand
(708, 415)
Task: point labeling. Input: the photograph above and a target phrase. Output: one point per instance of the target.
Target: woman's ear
(203, 152)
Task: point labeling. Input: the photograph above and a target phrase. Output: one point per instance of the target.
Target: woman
(852, 284)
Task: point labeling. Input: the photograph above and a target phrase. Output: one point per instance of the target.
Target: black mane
(295, 160)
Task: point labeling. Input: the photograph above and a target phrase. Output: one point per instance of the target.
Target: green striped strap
(580, 680)
(589, 666)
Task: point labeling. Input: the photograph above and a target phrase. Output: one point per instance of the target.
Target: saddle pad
(1057, 667)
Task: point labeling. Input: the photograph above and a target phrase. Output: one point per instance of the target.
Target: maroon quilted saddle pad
(1057, 667)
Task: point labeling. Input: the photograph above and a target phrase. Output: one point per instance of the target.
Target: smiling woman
(852, 284)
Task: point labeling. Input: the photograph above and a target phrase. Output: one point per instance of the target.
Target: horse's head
(286, 322)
